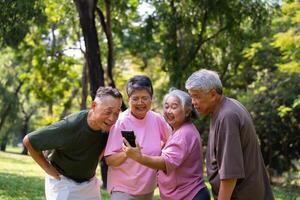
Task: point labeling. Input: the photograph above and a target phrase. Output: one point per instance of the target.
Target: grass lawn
(22, 179)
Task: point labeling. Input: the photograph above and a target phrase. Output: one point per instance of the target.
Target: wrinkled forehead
(196, 92)
(172, 99)
(109, 102)
(140, 92)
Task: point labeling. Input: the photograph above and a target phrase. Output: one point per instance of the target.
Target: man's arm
(226, 188)
(40, 159)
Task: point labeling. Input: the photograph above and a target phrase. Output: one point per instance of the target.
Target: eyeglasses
(143, 99)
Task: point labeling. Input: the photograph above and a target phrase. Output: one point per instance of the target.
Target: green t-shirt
(76, 146)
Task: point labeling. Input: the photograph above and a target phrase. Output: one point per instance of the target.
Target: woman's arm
(116, 159)
(154, 162)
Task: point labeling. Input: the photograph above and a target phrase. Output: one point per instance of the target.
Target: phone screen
(130, 137)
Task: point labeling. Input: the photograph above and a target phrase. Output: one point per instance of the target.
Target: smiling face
(104, 113)
(174, 112)
(140, 103)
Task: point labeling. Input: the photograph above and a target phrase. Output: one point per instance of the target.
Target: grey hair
(107, 91)
(204, 80)
(139, 82)
(185, 101)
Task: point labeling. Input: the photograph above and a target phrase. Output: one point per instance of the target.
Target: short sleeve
(165, 129)
(229, 149)
(50, 137)
(115, 140)
(174, 153)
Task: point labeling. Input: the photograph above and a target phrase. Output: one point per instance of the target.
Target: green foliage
(287, 37)
(273, 98)
(16, 17)
(9, 103)
(40, 64)
(167, 41)
(270, 99)
(188, 35)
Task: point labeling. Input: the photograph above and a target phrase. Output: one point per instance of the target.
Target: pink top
(132, 177)
(182, 154)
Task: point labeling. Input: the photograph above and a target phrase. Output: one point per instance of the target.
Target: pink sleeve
(115, 140)
(165, 129)
(174, 153)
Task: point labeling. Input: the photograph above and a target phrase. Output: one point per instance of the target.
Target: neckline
(136, 119)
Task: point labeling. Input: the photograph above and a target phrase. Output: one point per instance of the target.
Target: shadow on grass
(14, 187)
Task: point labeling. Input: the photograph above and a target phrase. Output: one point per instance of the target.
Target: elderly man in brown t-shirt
(234, 162)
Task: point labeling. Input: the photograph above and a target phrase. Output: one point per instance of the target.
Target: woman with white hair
(180, 174)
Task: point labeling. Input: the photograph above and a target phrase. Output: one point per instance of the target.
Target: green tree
(271, 102)
(286, 37)
(16, 18)
(274, 98)
(41, 72)
(189, 35)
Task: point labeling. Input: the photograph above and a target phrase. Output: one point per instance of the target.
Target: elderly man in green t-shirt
(77, 142)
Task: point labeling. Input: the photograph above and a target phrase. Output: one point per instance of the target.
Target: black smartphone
(130, 137)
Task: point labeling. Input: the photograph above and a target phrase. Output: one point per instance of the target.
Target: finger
(124, 148)
(138, 146)
(126, 142)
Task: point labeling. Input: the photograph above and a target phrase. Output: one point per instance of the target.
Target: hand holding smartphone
(130, 137)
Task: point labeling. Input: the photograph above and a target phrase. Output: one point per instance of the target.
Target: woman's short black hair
(139, 82)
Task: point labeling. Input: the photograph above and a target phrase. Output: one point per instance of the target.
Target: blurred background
(54, 54)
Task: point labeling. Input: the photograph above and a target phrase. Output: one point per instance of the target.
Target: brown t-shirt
(233, 152)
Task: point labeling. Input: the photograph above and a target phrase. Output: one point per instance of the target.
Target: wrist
(141, 159)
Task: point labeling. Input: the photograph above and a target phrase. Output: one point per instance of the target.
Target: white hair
(204, 80)
(185, 101)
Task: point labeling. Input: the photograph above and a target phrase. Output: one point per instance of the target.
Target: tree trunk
(24, 132)
(174, 80)
(68, 104)
(9, 106)
(5, 114)
(86, 10)
(110, 45)
(84, 83)
(4, 142)
(106, 25)
(25, 128)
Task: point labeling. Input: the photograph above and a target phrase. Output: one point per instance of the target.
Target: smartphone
(130, 137)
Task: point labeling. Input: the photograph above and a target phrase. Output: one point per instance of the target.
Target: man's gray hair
(107, 91)
(205, 80)
(185, 101)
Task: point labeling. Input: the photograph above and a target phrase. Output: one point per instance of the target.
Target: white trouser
(67, 189)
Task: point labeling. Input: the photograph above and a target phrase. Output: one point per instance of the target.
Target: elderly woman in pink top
(180, 175)
(128, 179)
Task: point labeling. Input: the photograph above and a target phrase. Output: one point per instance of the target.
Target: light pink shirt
(183, 177)
(132, 177)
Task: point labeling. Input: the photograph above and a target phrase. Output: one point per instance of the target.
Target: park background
(56, 53)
